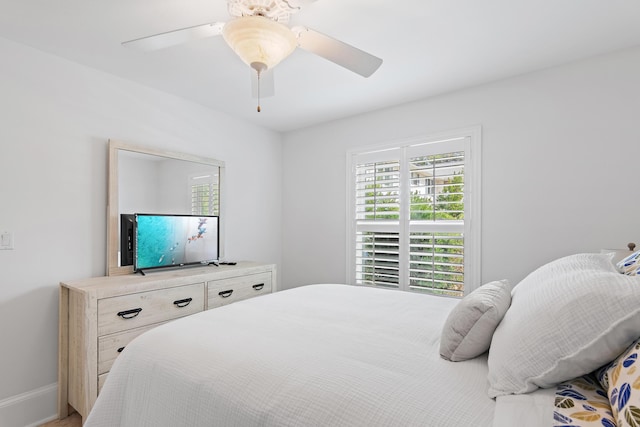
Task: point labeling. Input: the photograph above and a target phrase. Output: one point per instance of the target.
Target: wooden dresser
(99, 316)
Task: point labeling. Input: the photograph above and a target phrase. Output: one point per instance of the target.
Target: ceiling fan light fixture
(259, 40)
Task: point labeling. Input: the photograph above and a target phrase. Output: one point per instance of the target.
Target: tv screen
(174, 240)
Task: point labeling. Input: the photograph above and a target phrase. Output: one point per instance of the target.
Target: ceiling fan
(259, 36)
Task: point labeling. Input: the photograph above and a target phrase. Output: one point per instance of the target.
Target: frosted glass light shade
(259, 40)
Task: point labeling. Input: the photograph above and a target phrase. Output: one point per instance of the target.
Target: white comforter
(318, 355)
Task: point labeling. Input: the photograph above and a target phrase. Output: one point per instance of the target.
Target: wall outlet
(6, 240)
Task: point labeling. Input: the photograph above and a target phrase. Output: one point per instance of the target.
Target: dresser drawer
(226, 291)
(145, 308)
(101, 379)
(110, 346)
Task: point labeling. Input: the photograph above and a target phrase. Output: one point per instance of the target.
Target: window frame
(472, 145)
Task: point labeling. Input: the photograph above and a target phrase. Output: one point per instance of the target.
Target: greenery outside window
(415, 214)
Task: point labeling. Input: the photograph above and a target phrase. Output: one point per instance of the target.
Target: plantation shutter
(377, 216)
(205, 195)
(409, 217)
(436, 218)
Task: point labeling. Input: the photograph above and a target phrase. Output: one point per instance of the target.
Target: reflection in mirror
(143, 180)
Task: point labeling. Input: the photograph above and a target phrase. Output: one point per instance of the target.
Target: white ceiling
(429, 47)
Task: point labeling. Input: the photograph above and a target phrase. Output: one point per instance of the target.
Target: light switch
(6, 240)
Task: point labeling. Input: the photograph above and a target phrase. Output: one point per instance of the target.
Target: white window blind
(205, 194)
(410, 225)
(377, 201)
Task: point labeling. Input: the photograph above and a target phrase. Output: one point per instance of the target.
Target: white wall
(56, 119)
(561, 149)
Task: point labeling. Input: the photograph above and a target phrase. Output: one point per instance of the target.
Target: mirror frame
(113, 197)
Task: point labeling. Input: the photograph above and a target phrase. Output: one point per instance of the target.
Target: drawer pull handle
(226, 294)
(129, 314)
(258, 286)
(182, 302)
(120, 349)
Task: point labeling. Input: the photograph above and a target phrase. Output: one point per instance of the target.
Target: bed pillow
(468, 330)
(621, 379)
(630, 265)
(582, 402)
(566, 319)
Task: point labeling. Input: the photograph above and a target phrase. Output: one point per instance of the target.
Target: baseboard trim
(30, 409)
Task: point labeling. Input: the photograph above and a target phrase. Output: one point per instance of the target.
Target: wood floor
(73, 420)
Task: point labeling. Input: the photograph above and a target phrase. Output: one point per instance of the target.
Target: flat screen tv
(126, 239)
(164, 241)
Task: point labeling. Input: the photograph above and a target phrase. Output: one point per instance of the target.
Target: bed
(340, 355)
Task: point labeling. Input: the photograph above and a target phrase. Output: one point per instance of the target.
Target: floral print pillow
(630, 265)
(582, 402)
(622, 381)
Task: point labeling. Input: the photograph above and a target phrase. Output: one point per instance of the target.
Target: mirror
(145, 180)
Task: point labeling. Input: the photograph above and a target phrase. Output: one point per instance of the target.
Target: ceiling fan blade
(267, 86)
(345, 55)
(175, 37)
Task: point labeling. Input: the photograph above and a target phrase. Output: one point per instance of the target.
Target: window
(205, 194)
(415, 214)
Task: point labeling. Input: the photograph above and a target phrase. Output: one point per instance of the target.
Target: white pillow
(566, 319)
(468, 330)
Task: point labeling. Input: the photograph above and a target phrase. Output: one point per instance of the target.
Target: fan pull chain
(259, 91)
(259, 67)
